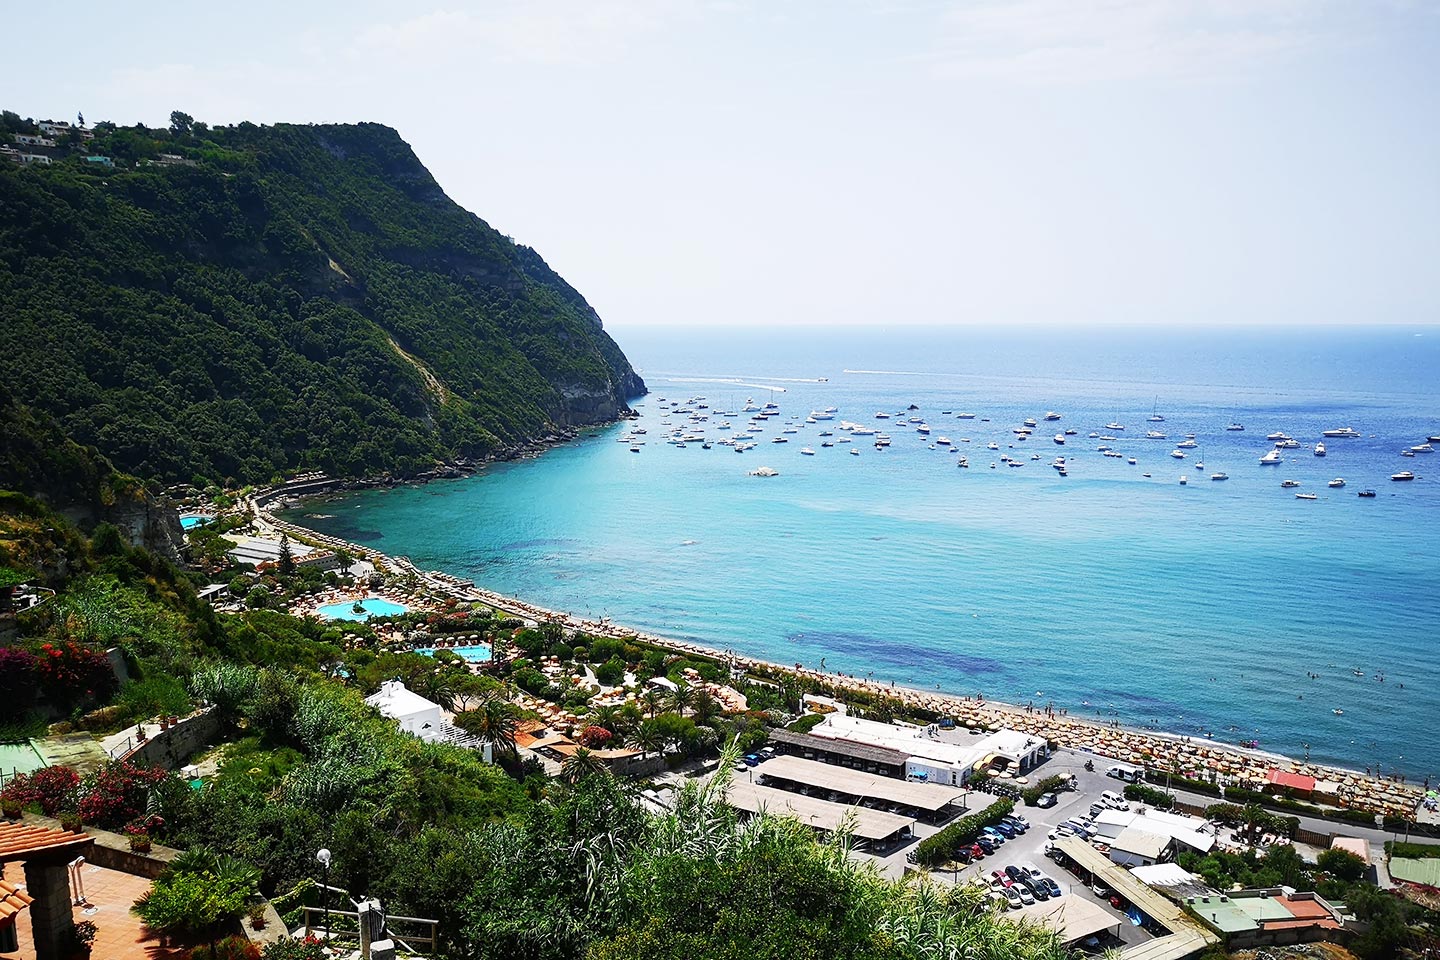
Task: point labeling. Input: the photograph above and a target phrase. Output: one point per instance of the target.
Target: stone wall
(171, 748)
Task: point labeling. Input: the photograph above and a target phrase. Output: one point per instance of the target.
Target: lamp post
(323, 855)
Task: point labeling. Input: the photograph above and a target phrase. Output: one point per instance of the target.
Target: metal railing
(426, 942)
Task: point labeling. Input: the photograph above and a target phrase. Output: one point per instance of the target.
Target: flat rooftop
(921, 796)
(814, 812)
(848, 748)
(1073, 918)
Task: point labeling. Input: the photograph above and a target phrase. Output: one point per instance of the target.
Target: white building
(414, 713)
(1185, 832)
(30, 140)
(1135, 847)
(931, 758)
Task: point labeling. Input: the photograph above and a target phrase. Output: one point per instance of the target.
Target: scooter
(1090, 765)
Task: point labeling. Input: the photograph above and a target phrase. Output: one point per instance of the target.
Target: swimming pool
(372, 606)
(473, 653)
(20, 756)
(192, 520)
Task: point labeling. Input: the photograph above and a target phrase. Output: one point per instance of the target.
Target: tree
(180, 122)
(682, 697)
(197, 894)
(648, 738)
(1341, 864)
(495, 721)
(653, 700)
(581, 765)
(286, 560)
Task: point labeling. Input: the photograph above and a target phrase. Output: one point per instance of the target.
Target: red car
(999, 879)
(976, 851)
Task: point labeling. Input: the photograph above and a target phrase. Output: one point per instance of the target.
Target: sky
(698, 162)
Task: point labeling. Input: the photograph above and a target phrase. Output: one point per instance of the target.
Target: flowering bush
(309, 948)
(593, 736)
(117, 793)
(52, 788)
(69, 672)
(231, 948)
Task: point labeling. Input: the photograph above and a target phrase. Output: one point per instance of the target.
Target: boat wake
(735, 382)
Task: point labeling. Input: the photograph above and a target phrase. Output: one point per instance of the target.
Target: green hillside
(229, 303)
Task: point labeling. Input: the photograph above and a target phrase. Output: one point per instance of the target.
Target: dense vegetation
(298, 296)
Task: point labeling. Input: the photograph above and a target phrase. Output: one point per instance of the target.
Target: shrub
(941, 847)
(52, 788)
(1158, 799)
(611, 672)
(1033, 794)
(287, 949)
(1341, 864)
(71, 672)
(117, 793)
(231, 948)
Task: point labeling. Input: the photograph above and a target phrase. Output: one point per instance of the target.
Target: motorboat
(1336, 483)
(882, 416)
(1052, 415)
(1237, 427)
(826, 443)
(806, 451)
(1305, 496)
(992, 445)
(1184, 480)
(1319, 449)
(1060, 438)
(1219, 476)
(780, 440)
(764, 472)
(1402, 475)
(1338, 712)
(963, 462)
(1178, 454)
(854, 452)
(1030, 422)
(1289, 483)
(1187, 444)
(1154, 435)
(1367, 494)
(1287, 444)
(1071, 433)
(1277, 435)
(1341, 432)
(1271, 458)
(1422, 448)
(943, 441)
(822, 414)
(1131, 461)
(964, 416)
(1114, 426)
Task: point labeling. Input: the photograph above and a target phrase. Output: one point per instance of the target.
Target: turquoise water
(373, 607)
(478, 653)
(191, 521)
(1199, 608)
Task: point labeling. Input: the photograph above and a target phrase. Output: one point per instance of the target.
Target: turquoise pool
(192, 520)
(373, 607)
(475, 653)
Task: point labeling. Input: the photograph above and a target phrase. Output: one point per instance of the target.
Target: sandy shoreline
(1200, 757)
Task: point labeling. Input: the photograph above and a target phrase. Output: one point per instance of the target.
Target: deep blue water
(1198, 608)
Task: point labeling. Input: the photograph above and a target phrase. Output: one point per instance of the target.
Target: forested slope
(288, 297)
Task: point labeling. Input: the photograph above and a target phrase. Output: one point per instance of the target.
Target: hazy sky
(955, 161)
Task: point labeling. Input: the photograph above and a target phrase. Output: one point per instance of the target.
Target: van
(1113, 800)
(1126, 772)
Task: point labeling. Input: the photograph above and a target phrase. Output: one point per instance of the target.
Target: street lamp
(323, 855)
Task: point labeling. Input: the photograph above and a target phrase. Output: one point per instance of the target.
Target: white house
(30, 140)
(413, 712)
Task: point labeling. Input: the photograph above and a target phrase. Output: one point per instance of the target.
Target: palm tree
(706, 707)
(496, 721)
(582, 765)
(439, 687)
(682, 697)
(653, 699)
(647, 738)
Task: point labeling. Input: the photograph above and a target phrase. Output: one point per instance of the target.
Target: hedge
(941, 848)
(1418, 851)
(1243, 796)
(1158, 799)
(1048, 785)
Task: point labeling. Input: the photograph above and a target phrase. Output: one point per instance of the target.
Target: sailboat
(1155, 413)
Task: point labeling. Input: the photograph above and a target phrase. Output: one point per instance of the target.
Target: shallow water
(1201, 608)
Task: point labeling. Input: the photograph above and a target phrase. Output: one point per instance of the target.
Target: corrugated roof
(847, 748)
(854, 783)
(822, 814)
(1140, 842)
(1291, 781)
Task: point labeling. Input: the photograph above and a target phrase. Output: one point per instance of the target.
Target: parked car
(1017, 818)
(1114, 800)
(1046, 800)
(1014, 872)
(1096, 807)
(996, 837)
(1026, 897)
(1006, 830)
(986, 844)
(1037, 889)
(976, 851)
(963, 855)
(751, 760)
(1013, 898)
(999, 878)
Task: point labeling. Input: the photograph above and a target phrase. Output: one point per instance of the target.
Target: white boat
(1178, 454)
(923, 429)
(854, 452)
(1287, 444)
(963, 462)
(1155, 414)
(992, 445)
(943, 441)
(1052, 415)
(1289, 483)
(1236, 426)
(1114, 426)
(1219, 476)
(1277, 435)
(1337, 482)
(806, 451)
(1154, 435)
(1422, 448)
(764, 472)
(964, 416)
(1341, 432)
(1184, 480)
(779, 440)
(1060, 438)
(1187, 444)
(822, 415)
(882, 416)
(1305, 496)
(1030, 422)
(1131, 461)
(1319, 449)
(1271, 458)
(1402, 475)
(634, 449)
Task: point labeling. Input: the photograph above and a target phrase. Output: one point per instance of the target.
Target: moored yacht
(1305, 496)
(806, 451)
(1154, 435)
(1319, 449)
(1337, 482)
(1341, 432)
(1236, 426)
(1271, 458)
(1219, 476)
(1178, 454)
(1289, 483)
(1052, 415)
(1060, 438)
(1402, 475)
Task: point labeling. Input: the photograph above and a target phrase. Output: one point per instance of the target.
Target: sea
(1228, 609)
